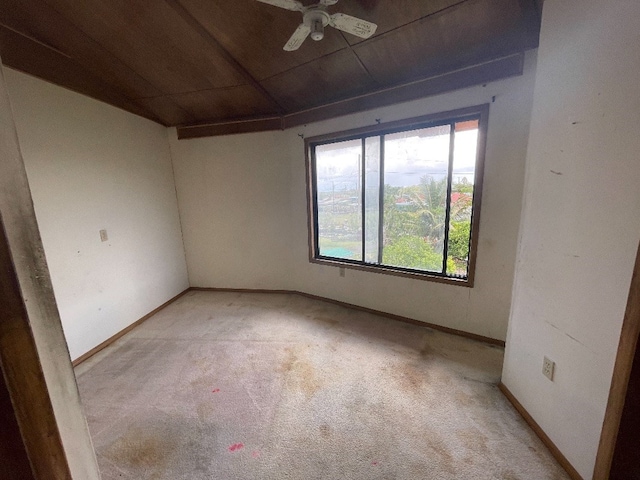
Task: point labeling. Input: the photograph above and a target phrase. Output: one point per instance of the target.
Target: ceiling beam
(231, 127)
(204, 33)
(475, 75)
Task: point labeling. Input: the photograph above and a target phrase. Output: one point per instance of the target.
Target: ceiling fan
(315, 17)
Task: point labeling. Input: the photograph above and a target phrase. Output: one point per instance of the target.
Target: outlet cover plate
(548, 368)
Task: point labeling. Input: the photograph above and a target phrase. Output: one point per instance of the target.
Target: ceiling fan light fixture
(315, 17)
(317, 30)
(316, 20)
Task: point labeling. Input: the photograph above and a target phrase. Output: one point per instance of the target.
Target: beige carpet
(262, 386)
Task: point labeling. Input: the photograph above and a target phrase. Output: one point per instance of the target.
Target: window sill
(398, 272)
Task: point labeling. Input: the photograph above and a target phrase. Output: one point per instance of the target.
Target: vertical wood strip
(620, 380)
(24, 377)
(14, 462)
(34, 355)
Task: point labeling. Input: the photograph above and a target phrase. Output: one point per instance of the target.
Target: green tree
(459, 242)
(414, 252)
(430, 200)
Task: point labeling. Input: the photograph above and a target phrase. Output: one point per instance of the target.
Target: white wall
(244, 214)
(580, 225)
(91, 167)
(234, 196)
(483, 309)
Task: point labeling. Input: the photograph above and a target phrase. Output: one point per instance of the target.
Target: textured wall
(580, 225)
(91, 167)
(244, 214)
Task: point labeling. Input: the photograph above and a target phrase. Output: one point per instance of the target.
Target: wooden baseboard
(392, 316)
(240, 290)
(562, 460)
(124, 331)
(399, 318)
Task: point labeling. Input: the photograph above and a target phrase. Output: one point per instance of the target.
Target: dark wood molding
(502, 68)
(22, 371)
(14, 460)
(620, 379)
(562, 460)
(211, 40)
(392, 316)
(230, 128)
(124, 331)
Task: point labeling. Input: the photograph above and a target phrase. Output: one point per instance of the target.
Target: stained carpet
(274, 386)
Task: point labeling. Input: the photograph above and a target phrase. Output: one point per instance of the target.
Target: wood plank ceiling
(217, 66)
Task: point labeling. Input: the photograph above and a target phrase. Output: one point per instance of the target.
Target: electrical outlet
(342, 271)
(103, 235)
(548, 368)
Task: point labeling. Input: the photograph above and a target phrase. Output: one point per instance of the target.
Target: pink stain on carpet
(375, 464)
(255, 454)
(236, 446)
(215, 390)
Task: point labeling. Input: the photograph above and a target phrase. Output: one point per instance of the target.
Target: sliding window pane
(416, 167)
(372, 199)
(339, 199)
(464, 170)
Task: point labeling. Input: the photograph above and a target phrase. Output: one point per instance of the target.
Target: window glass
(464, 164)
(416, 165)
(372, 200)
(400, 198)
(339, 200)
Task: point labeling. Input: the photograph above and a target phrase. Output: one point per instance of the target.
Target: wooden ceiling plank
(330, 78)
(254, 33)
(466, 34)
(168, 110)
(25, 55)
(152, 39)
(221, 104)
(531, 19)
(42, 23)
(211, 40)
(184, 61)
(37, 20)
(403, 13)
(476, 75)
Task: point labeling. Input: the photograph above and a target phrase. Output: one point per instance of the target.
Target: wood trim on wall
(562, 460)
(24, 378)
(125, 330)
(14, 460)
(229, 128)
(483, 73)
(392, 316)
(620, 379)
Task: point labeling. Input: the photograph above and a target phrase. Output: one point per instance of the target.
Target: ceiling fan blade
(353, 25)
(293, 5)
(299, 36)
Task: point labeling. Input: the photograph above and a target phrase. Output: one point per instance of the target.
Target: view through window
(401, 198)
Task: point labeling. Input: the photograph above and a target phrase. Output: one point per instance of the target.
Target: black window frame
(478, 112)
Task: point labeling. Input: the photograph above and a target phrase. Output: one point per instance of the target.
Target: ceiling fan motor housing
(316, 19)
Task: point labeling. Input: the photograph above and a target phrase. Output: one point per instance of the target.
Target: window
(400, 198)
